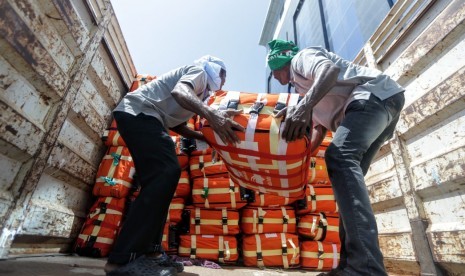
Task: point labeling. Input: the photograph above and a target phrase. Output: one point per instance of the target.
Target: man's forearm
(186, 98)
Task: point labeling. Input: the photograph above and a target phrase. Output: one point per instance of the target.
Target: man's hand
(223, 125)
(297, 120)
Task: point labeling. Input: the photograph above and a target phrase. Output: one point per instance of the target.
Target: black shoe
(143, 266)
(165, 261)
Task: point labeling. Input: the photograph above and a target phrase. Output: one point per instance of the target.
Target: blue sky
(164, 34)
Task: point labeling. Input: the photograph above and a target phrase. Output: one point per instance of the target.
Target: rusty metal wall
(63, 67)
(417, 181)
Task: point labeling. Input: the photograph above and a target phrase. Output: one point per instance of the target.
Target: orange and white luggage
(101, 227)
(271, 249)
(263, 161)
(319, 227)
(206, 166)
(318, 172)
(319, 256)
(211, 221)
(115, 173)
(268, 220)
(217, 193)
(222, 249)
(111, 136)
(258, 199)
(175, 210)
(317, 199)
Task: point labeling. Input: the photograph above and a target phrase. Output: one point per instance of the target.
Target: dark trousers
(158, 170)
(366, 126)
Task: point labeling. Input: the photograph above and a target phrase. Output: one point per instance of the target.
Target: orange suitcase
(318, 172)
(319, 227)
(317, 199)
(169, 241)
(272, 249)
(222, 249)
(114, 176)
(210, 221)
(321, 256)
(207, 166)
(184, 188)
(268, 220)
(101, 227)
(175, 210)
(258, 199)
(263, 161)
(217, 193)
(111, 136)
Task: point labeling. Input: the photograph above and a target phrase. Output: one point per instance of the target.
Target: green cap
(281, 53)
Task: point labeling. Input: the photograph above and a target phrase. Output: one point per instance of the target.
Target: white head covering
(212, 66)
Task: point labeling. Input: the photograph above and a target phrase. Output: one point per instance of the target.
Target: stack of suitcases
(214, 218)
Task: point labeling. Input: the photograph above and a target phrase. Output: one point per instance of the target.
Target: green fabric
(281, 53)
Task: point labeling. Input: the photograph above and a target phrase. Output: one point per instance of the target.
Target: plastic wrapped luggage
(319, 256)
(217, 193)
(115, 173)
(262, 161)
(198, 221)
(271, 250)
(319, 227)
(218, 248)
(317, 199)
(268, 220)
(101, 227)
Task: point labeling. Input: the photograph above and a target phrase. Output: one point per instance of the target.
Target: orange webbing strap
(224, 220)
(232, 190)
(193, 246)
(259, 251)
(284, 250)
(285, 219)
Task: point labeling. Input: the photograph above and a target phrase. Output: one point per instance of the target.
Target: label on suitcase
(271, 250)
(263, 161)
(268, 220)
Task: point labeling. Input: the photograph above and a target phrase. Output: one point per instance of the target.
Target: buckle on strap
(232, 104)
(279, 106)
(256, 108)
